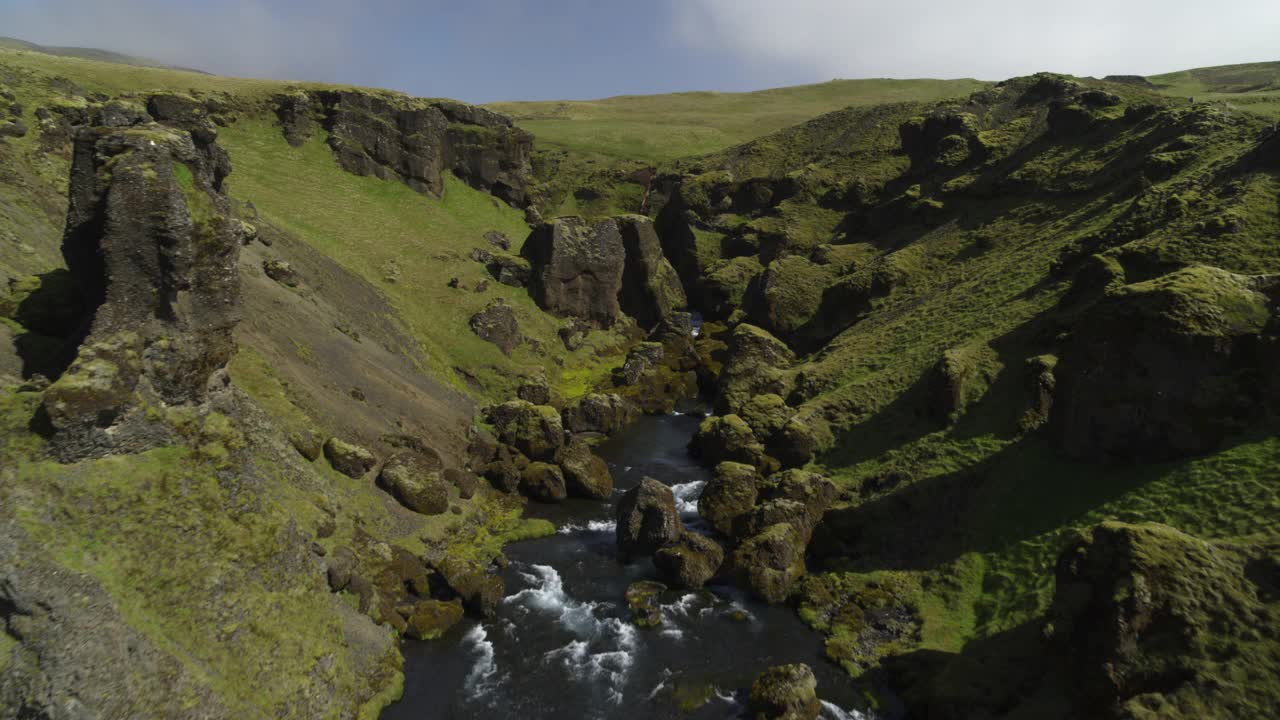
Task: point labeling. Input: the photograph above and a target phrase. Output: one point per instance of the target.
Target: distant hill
(1253, 87)
(664, 127)
(88, 54)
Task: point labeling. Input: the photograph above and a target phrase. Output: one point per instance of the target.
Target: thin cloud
(988, 39)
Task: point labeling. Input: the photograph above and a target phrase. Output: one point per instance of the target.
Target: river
(561, 645)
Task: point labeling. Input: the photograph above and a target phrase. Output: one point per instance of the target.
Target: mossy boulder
(604, 413)
(479, 589)
(586, 475)
(349, 459)
(308, 443)
(497, 323)
(644, 599)
(1167, 367)
(766, 413)
(787, 296)
(466, 482)
(773, 512)
(416, 481)
(813, 491)
(785, 692)
(504, 471)
(576, 269)
(728, 495)
(690, 561)
(647, 518)
(723, 438)
(534, 430)
(640, 359)
(755, 364)
(429, 619)
(794, 444)
(960, 378)
(543, 482)
(770, 562)
(650, 289)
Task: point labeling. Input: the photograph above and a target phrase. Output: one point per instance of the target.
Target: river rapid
(561, 645)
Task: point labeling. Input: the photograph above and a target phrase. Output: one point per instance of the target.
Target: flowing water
(561, 645)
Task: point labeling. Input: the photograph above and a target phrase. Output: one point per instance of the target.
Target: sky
(489, 50)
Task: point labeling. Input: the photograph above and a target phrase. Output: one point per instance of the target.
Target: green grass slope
(85, 53)
(657, 128)
(1252, 87)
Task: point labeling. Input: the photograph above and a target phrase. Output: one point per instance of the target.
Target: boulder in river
(690, 561)
(730, 494)
(600, 413)
(586, 475)
(429, 619)
(543, 482)
(770, 562)
(644, 598)
(647, 518)
(785, 692)
(479, 589)
(726, 437)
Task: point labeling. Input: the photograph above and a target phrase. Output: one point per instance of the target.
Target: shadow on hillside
(53, 322)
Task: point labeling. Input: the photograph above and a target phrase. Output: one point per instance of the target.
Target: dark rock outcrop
(755, 365)
(349, 459)
(429, 619)
(726, 437)
(414, 141)
(150, 244)
(599, 413)
(479, 589)
(1166, 368)
(577, 269)
(586, 475)
(497, 324)
(730, 494)
(647, 518)
(543, 482)
(770, 562)
(416, 481)
(651, 289)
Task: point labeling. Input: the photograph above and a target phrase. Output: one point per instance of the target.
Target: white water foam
(831, 711)
(687, 495)
(592, 526)
(483, 677)
(605, 647)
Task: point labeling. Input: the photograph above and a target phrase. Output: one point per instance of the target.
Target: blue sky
(486, 50)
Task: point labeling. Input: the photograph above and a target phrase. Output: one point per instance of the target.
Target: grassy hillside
(84, 53)
(657, 128)
(1253, 87)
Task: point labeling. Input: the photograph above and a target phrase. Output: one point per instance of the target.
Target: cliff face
(413, 141)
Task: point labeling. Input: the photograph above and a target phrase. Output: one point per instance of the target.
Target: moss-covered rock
(479, 589)
(543, 482)
(755, 364)
(728, 495)
(770, 562)
(604, 413)
(644, 599)
(785, 692)
(349, 459)
(534, 430)
(416, 481)
(586, 475)
(429, 619)
(690, 561)
(723, 438)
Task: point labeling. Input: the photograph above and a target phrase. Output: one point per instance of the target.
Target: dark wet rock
(509, 270)
(282, 272)
(1166, 368)
(150, 244)
(412, 140)
(497, 324)
(308, 443)
(574, 335)
(577, 269)
(482, 447)
(498, 240)
(340, 565)
(756, 363)
(644, 599)
(726, 437)
(675, 333)
(13, 128)
(600, 413)
(466, 482)
(773, 512)
(586, 475)
(690, 561)
(794, 445)
(429, 619)
(543, 482)
(730, 494)
(504, 471)
(479, 589)
(416, 482)
(785, 692)
(535, 389)
(770, 562)
(814, 492)
(534, 430)
(1041, 388)
(651, 289)
(640, 359)
(647, 518)
(349, 459)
